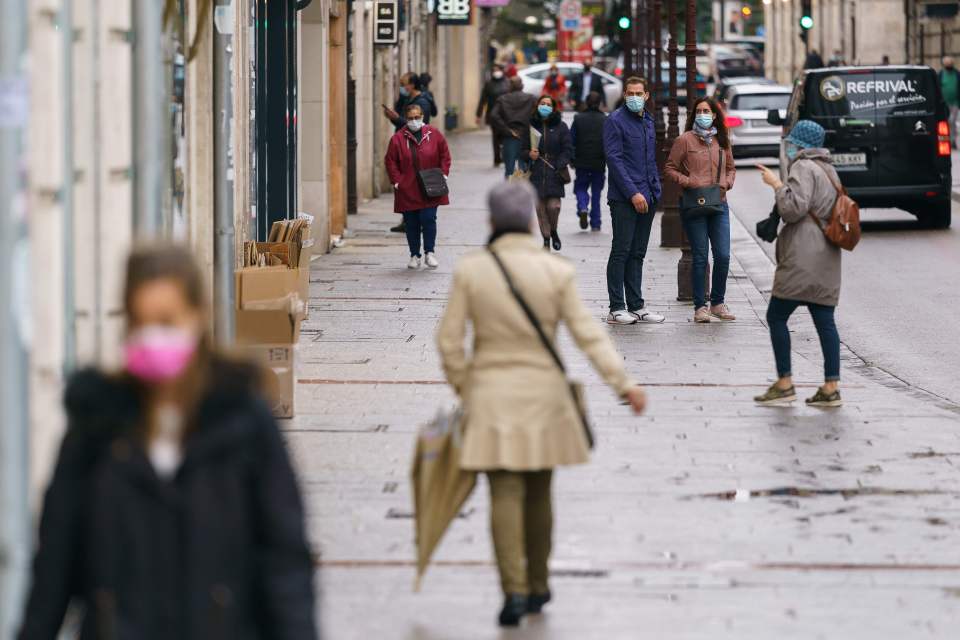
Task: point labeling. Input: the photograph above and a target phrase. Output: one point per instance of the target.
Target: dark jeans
(631, 233)
(593, 180)
(421, 221)
(715, 231)
(511, 155)
(778, 313)
(496, 146)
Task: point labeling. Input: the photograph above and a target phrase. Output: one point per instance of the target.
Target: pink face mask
(159, 354)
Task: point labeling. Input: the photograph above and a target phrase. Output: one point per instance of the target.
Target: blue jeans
(715, 231)
(592, 180)
(511, 155)
(778, 313)
(631, 233)
(421, 221)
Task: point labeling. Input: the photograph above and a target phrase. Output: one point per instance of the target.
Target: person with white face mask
(417, 147)
(703, 157)
(496, 86)
(173, 498)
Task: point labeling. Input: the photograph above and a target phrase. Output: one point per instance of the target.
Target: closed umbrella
(440, 486)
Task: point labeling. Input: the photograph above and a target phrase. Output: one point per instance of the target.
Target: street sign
(453, 12)
(576, 45)
(570, 13)
(385, 22)
(492, 3)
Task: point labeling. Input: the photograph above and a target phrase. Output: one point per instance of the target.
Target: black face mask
(586, 69)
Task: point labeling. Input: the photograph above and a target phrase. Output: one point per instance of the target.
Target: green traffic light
(624, 22)
(806, 22)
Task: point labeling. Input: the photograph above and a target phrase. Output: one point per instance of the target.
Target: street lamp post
(671, 228)
(685, 265)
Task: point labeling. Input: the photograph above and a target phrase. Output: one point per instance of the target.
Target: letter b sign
(453, 11)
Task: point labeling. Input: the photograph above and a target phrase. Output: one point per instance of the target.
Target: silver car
(747, 106)
(535, 76)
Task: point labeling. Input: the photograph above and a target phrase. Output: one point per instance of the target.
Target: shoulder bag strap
(839, 188)
(723, 157)
(416, 159)
(529, 312)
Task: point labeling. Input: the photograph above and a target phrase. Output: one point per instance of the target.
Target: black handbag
(576, 388)
(768, 227)
(433, 184)
(698, 202)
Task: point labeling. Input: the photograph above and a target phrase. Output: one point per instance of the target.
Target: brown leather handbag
(843, 229)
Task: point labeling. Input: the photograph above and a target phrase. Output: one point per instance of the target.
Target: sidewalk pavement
(708, 517)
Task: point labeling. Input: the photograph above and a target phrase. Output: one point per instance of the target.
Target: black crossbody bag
(576, 388)
(432, 182)
(699, 202)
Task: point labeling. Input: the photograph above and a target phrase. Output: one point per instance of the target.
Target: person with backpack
(589, 160)
(808, 263)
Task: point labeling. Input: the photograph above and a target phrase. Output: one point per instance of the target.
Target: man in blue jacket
(629, 141)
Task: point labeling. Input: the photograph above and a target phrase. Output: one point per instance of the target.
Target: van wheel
(936, 216)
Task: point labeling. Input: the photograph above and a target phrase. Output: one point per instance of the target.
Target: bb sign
(385, 22)
(454, 12)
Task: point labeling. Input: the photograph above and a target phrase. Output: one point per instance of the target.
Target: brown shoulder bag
(843, 229)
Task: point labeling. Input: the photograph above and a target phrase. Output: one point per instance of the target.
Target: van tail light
(943, 138)
(733, 122)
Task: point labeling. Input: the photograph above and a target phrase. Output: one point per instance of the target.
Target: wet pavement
(709, 517)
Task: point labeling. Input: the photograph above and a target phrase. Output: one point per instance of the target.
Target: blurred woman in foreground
(173, 511)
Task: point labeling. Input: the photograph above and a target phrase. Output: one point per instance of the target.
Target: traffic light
(624, 22)
(806, 15)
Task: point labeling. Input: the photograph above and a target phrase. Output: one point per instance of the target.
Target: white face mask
(415, 125)
(497, 75)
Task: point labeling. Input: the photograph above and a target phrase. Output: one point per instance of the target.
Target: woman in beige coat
(521, 420)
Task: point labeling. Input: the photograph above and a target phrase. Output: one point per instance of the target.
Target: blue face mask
(544, 110)
(404, 92)
(704, 121)
(636, 103)
(791, 151)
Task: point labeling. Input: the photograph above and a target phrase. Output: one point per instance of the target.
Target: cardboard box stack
(272, 292)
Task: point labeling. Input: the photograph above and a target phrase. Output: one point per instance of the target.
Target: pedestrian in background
(416, 147)
(695, 161)
(410, 93)
(583, 85)
(425, 80)
(808, 265)
(589, 160)
(493, 88)
(173, 511)
(510, 118)
(549, 165)
(555, 86)
(814, 60)
(950, 88)
(521, 421)
(629, 142)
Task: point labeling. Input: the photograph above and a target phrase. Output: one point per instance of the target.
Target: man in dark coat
(216, 551)
(410, 93)
(510, 118)
(814, 60)
(583, 85)
(496, 86)
(629, 142)
(589, 161)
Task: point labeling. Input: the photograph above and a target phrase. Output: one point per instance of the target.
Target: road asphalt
(708, 517)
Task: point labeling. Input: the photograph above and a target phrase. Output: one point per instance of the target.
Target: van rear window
(867, 95)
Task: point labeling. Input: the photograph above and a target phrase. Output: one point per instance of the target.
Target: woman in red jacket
(419, 211)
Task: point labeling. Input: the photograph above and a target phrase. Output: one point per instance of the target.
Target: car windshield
(760, 101)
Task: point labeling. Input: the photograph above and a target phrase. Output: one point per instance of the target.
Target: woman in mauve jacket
(414, 147)
(173, 511)
(695, 162)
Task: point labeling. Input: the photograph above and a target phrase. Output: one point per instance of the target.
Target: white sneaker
(431, 261)
(621, 316)
(642, 315)
(414, 263)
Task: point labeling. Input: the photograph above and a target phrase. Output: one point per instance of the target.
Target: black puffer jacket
(556, 150)
(217, 552)
(587, 136)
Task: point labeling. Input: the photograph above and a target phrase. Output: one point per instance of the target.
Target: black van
(888, 133)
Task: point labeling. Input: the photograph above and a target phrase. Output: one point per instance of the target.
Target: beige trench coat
(519, 413)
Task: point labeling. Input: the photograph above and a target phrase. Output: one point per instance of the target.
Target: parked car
(535, 76)
(751, 135)
(663, 95)
(887, 128)
(730, 61)
(723, 87)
